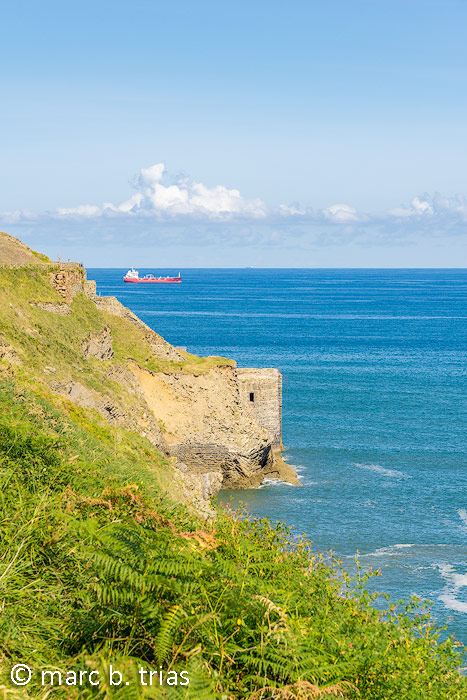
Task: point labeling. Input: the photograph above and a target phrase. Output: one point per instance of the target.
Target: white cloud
(182, 210)
(183, 198)
(293, 210)
(432, 207)
(148, 177)
(86, 210)
(341, 214)
(419, 206)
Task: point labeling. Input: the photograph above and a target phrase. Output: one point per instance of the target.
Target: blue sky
(298, 134)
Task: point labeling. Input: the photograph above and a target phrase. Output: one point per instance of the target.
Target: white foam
(298, 467)
(454, 582)
(448, 572)
(273, 482)
(382, 470)
(452, 603)
(390, 551)
(462, 512)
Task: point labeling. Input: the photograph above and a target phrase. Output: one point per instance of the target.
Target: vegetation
(97, 567)
(100, 566)
(13, 252)
(45, 339)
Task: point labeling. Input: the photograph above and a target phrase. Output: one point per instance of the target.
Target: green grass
(100, 563)
(199, 365)
(57, 339)
(98, 566)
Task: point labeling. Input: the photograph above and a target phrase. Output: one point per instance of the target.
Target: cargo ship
(133, 276)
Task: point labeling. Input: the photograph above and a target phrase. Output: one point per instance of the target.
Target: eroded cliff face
(207, 426)
(219, 426)
(222, 427)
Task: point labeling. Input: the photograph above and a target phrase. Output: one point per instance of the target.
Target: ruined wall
(261, 391)
(68, 280)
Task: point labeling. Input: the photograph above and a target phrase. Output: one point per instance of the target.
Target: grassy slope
(14, 252)
(46, 339)
(97, 564)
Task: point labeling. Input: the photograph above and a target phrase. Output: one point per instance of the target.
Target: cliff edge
(217, 426)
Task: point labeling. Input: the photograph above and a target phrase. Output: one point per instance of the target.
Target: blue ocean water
(374, 406)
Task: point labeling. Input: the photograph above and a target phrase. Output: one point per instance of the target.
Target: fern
(163, 643)
(93, 571)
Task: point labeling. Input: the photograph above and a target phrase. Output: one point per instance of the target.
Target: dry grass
(304, 690)
(13, 252)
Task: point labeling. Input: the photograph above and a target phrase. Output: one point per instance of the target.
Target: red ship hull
(154, 280)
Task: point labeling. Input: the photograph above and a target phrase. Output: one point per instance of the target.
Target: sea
(374, 369)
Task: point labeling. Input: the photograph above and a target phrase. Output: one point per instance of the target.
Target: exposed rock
(7, 353)
(208, 427)
(141, 422)
(160, 347)
(197, 490)
(281, 471)
(60, 309)
(99, 345)
(68, 280)
(76, 392)
(86, 398)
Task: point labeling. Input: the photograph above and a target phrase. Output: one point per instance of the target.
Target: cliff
(103, 428)
(218, 426)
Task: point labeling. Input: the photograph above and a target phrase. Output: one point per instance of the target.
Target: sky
(246, 133)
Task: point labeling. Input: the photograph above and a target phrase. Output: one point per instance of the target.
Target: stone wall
(261, 391)
(68, 280)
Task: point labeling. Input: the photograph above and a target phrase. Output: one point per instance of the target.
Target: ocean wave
(394, 473)
(390, 551)
(273, 482)
(451, 602)
(462, 512)
(454, 583)
(448, 572)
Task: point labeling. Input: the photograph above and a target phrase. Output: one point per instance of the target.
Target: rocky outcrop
(141, 421)
(208, 428)
(99, 345)
(68, 280)
(86, 398)
(160, 347)
(59, 309)
(7, 353)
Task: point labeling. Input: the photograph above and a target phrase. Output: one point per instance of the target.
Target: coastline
(108, 531)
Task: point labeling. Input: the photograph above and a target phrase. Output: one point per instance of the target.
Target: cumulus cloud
(183, 209)
(433, 207)
(184, 198)
(342, 214)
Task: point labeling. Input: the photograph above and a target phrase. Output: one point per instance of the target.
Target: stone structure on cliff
(261, 390)
(220, 426)
(223, 426)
